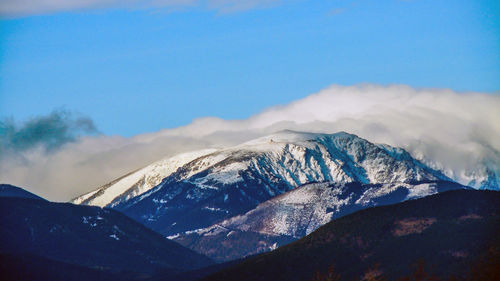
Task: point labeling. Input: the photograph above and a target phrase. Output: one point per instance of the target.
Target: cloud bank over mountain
(456, 132)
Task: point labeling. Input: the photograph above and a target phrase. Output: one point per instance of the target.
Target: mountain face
(296, 214)
(7, 190)
(485, 179)
(143, 180)
(232, 181)
(448, 235)
(88, 237)
(137, 182)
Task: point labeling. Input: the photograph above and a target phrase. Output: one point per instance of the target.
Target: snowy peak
(305, 180)
(299, 158)
(287, 136)
(137, 182)
(276, 163)
(234, 180)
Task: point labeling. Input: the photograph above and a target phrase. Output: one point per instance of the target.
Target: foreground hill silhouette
(42, 240)
(7, 190)
(452, 234)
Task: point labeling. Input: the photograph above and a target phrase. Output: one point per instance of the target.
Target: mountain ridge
(296, 213)
(88, 238)
(387, 241)
(285, 136)
(137, 181)
(232, 181)
(8, 190)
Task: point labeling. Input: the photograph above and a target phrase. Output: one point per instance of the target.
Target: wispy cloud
(19, 8)
(458, 132)
(48, 132)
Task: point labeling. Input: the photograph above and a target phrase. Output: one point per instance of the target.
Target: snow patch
(114, 236)
(421, 190)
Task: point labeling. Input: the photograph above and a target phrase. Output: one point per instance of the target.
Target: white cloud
(456, 131)
(16, 8)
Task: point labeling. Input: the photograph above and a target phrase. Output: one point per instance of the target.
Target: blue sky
(141, 70)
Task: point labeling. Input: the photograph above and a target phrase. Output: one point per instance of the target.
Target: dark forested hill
(83, 240)
(452, 234)
(7, 190)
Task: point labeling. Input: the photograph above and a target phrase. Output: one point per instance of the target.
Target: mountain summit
(268, 191)
(286, 158)
(220, 184)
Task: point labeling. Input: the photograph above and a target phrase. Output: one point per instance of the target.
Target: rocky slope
(137, 182)
(296, 214)
(232, 181)
(448, 235)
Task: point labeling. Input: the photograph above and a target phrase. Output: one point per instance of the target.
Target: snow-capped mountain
(232, 181)
(137, 182)
(296, 214)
